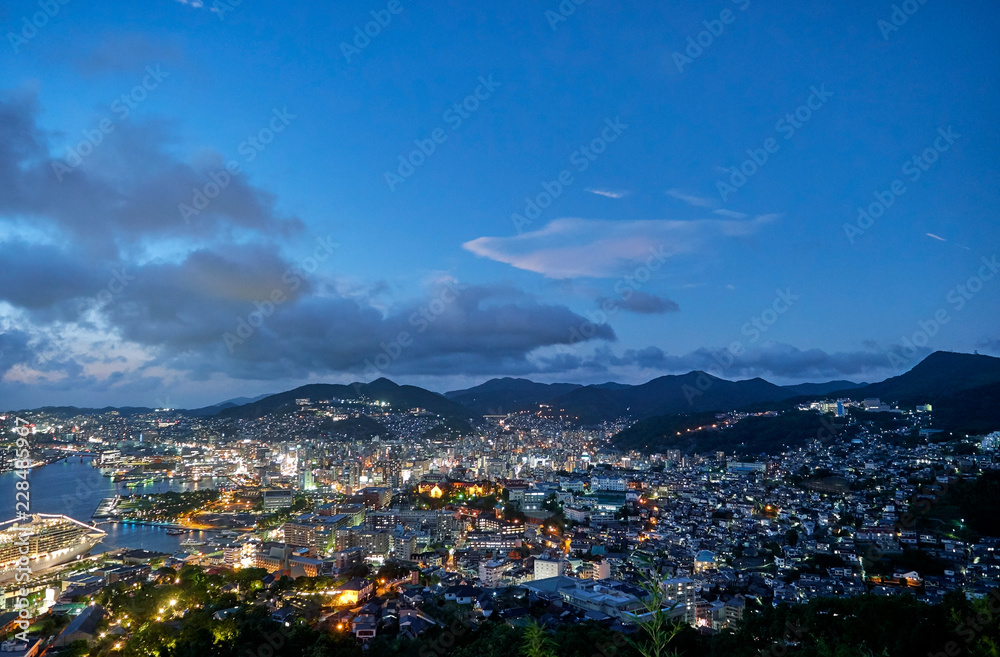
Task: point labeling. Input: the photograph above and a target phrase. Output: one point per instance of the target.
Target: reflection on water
(74, 488)
(146, 537)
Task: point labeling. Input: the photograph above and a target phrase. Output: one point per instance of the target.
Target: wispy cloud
(731, 214)
(941, 239)
(567, 248)
(691, 199)
(610, 193)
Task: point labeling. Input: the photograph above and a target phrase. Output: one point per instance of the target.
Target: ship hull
(47, 562)
(42, 542)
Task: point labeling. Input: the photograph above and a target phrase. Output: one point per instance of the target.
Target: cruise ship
(52, 540)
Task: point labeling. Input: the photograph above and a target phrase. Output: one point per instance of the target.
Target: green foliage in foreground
(831, 627)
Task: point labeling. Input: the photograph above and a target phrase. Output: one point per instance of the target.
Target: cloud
(39, 276)
(123, 195)
(644, 303)
(14, 348)
(990, 344)
(607, 192)
(567, 248)
(773, 361)
(783, 361)
(707, 203)
(106, 289)
(941, 239)
(171, 319)
(470, 328)
(690, 199)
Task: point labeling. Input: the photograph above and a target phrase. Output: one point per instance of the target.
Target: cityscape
(393, 517)
(558, 329)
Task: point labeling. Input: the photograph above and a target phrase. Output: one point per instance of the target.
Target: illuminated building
(50, 539)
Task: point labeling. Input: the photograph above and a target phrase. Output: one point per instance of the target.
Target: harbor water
(73, 488)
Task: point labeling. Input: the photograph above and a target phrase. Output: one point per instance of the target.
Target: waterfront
(74, 488)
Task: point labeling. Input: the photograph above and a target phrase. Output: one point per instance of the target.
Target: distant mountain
(940, 374)
(214, 409)
(72, 411)
(822, 388)
(240, 401)
(396, 396)
(508, 395)
(206, 411)
(937, 376)
(684, 393)
(963, 389)
(612, 385)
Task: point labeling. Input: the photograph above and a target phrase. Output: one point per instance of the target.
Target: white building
(617, 484)
(546, 568)
(602, 570)
(491, 572)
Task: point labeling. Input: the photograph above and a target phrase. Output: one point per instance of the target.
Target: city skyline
(203, 201)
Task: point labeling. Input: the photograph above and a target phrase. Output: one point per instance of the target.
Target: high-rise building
(491, 572)
(681, 590)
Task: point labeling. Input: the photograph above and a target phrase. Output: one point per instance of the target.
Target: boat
(176, 532)
(192, 542)
(50, 540)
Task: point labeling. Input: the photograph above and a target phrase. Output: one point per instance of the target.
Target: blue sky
(565, 296)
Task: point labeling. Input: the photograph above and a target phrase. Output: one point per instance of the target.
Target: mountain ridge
(940, 377)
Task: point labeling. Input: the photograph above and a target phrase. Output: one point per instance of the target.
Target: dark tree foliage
(967, 505)
(834, 627)
(752, 435)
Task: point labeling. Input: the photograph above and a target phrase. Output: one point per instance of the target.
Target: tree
(358, 570)
(537, 642)
(78, 648)
(657, 625)
(392, 570)
(512, 514)
(792, 537)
